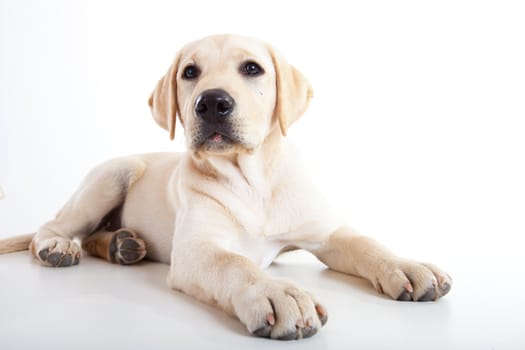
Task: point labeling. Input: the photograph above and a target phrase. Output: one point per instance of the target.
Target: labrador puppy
(222, 211)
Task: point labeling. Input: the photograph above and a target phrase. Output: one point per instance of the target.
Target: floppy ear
(163, 100)
(293, 92)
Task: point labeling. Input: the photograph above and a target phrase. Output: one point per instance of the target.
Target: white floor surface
(96, 305)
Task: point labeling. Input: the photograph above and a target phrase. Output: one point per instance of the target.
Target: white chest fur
(273, 208)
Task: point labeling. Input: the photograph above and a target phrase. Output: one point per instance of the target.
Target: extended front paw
(279, 310)
(407, 280)
(57, 252)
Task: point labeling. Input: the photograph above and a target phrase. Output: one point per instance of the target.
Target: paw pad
(59, 252)
(126, 248)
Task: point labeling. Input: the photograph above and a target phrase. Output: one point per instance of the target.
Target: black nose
(214, 105)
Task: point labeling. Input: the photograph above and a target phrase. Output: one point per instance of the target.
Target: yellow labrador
(222, 211)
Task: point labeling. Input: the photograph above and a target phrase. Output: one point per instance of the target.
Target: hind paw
(126, 247)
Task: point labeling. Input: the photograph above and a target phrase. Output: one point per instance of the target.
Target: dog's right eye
(190, 72)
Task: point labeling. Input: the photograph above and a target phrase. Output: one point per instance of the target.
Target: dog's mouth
(217, 138)
(216, 141)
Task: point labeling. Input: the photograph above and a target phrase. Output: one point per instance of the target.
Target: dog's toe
(263, 332)
(430, 295)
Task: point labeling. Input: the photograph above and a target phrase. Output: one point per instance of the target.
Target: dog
(222, 211)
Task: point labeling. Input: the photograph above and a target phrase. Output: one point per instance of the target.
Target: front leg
(267, 307)
(402, 279)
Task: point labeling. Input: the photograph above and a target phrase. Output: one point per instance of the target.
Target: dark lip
(223, 129)
(222, 133)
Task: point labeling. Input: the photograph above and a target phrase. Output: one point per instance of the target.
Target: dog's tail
(15, 244)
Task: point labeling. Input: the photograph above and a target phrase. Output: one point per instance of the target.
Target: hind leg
(104, 189)
(121, 247)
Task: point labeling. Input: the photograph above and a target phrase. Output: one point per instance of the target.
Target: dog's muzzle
(214, 108)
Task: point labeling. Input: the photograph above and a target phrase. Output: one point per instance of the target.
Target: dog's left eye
(251, 68)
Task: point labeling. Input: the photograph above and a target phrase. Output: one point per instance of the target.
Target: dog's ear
(293, 92)
(163, 100)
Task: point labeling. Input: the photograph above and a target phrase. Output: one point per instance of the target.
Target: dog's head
(229, 92)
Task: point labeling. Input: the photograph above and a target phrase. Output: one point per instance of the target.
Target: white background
(415, 134)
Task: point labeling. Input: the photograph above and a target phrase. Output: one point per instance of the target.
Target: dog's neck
(257, 169)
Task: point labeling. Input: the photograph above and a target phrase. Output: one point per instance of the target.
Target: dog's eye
(252, 69)
(190, 72)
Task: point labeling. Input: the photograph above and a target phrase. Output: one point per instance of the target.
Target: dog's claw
(270, 318)
(322, 313)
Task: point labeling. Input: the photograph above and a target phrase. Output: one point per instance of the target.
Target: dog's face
(226, 93)
(229, 93)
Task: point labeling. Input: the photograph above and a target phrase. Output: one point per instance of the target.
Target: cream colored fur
(219, 217)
